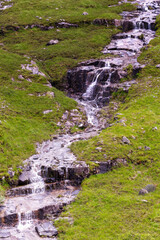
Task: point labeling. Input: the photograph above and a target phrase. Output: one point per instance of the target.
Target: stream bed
(51, 178)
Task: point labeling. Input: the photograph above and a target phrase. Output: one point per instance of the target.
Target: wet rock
(115, 77)
(25, 178)
(119, 36)
(4, 234)
(46, 229)
(125, 140)
(66, 25)
(9, 220)
(52, 42)
(127, 25)
(77, 78)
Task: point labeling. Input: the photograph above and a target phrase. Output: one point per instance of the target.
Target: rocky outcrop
(66, 25)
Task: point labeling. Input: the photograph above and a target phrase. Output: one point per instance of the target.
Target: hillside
(27, 65)
(98, 42)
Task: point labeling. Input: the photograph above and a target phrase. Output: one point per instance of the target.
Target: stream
(51, 178)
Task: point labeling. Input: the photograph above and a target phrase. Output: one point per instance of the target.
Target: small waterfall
(37, 180)
(25, 221)
(88, 95)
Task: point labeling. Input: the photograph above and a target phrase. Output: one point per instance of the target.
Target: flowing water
(51, 178)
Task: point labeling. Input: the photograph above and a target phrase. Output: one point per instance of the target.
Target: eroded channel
(51, 178)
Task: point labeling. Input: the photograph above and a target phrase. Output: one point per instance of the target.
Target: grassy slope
(109, 206)
(22, 120)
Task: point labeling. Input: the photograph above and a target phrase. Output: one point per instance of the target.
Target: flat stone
(4, 234)
(46, 229)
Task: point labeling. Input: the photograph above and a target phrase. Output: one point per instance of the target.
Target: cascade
(54, 167)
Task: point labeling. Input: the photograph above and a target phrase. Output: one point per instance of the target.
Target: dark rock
(78, 174)
(119, 36)
(46, 229)
(9, 220)
(42, 213)
(127, 26)
(115, 77)
(77, 78)
(100, 22)
(93, 62)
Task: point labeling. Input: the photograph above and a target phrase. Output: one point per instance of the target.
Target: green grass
(109, 206)
(25, 12)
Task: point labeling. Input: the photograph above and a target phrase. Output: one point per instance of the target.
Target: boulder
(25, 178)
(127, 25)
(46, 229)
(52, 42)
